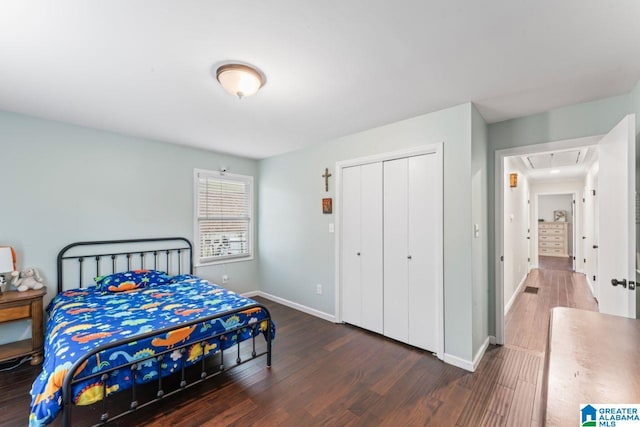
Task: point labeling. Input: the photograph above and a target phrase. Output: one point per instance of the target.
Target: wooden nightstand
(23, 305)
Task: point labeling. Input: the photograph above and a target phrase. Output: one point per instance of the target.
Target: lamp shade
(240, 80)
(6, 260)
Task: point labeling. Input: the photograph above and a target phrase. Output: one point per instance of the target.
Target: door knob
(358, 254)
(595, 246)
(409, 257)
(622, 282)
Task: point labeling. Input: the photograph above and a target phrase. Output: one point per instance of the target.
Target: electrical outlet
(319, 289)
(225, 278)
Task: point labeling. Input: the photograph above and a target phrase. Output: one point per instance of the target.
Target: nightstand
(16, 305)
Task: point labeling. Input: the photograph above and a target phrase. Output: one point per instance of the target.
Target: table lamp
(7, 263)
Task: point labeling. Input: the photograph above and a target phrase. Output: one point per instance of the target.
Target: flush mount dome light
(240, 80)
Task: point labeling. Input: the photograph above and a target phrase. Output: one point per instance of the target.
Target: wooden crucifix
(326, 179)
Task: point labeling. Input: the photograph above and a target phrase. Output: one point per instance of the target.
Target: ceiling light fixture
(555, 171)
(240, 80)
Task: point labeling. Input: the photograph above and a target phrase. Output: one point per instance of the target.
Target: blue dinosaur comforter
(83, 319)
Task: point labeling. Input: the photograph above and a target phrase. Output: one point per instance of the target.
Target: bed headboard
(80, 262)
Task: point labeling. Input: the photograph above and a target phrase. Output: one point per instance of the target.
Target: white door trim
(437, 149)
(499, 211)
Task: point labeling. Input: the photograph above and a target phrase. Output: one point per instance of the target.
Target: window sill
(223, 261)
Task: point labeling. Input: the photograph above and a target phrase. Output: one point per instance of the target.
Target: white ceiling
(144, 68)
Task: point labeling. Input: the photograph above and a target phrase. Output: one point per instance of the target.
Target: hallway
(526, 328)
(527, 322)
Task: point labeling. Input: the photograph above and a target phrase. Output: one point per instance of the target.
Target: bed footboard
(102, 376)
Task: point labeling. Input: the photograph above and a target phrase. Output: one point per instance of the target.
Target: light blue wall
(297, 250)
(480, 245)
(66, 183)
(575, 121)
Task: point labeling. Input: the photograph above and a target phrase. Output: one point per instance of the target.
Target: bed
(145, 318)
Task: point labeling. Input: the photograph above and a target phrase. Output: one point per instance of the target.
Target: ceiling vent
(557, 159)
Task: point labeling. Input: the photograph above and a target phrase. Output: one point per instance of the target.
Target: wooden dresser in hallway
(591, 358)
(552, 239)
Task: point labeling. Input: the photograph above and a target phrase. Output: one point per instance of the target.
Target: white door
(573, 228)
(396, 241)
(371, 246)
(616, 219)
(529, 241)
(412, 250)
(350, 263)
(425, 182)
(362, 246)
(589, 237)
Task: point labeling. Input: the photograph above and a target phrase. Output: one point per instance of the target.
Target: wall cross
(326, 179)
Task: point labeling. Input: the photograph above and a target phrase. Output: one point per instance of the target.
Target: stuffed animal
(26, 279)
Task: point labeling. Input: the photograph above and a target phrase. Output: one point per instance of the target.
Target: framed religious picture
(327, 206)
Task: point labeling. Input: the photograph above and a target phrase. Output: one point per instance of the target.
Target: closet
(391, 252)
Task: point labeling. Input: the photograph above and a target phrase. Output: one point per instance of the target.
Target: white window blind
(223, 216)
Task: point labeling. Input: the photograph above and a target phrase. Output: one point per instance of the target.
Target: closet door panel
(424, 244)
(396, 321)
(350, 263)
(371, 246)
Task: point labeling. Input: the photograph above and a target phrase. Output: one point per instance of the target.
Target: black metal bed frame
(179, 246)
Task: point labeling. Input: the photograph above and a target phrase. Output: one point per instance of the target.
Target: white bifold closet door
(362, 261)
(411, 245)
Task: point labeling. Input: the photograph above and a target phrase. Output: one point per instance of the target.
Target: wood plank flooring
(339, 375)
(555, 263)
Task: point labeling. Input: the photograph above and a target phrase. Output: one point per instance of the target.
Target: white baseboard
(469, 365)
(291, 304)
(493, 340)
(465, 364)
(480, 353)
(515, 294)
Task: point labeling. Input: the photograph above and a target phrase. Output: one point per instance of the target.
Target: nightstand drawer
(16, 305)
(15, 313)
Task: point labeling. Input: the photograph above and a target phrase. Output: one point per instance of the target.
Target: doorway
(519, 246)
(615, 245)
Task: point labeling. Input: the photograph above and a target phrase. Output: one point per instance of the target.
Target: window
(223, 216)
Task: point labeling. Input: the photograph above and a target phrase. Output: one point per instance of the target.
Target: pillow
(183, 278)
(130, 280)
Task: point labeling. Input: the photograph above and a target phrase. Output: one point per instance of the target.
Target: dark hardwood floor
(328, 374)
